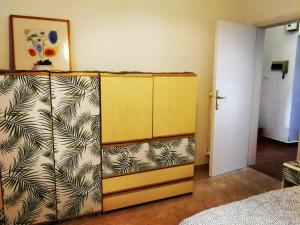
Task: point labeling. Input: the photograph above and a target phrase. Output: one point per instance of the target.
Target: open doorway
(279, 117)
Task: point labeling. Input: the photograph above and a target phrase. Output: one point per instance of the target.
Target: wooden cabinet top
(91, 73)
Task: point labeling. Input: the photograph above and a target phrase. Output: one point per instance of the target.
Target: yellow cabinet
(1, 200)
(126, 107)
(174, 108)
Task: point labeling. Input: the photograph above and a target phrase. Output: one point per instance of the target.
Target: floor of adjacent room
(272, 154)
(208, 193)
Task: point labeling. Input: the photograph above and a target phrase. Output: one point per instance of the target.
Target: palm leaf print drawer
(145, 156)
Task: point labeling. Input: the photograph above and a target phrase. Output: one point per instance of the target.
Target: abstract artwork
(40, 43)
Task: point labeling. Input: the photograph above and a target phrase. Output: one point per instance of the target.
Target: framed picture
(40, 43)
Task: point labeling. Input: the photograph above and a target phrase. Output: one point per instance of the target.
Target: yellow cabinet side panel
(146, 195)
(126, 108)
(138, 180)
(174, 110)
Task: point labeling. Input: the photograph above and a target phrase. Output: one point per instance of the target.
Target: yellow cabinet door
(1, 200)
(126, 107)
(174, 108)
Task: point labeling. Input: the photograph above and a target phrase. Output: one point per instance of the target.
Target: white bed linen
(280, 207)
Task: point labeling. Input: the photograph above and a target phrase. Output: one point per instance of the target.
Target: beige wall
(265, 12)
(141, 35)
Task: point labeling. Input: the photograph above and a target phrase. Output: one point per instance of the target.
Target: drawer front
(145, 156)
(146, 195)
(138, 180)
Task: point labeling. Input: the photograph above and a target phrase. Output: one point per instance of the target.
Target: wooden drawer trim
(149, 170)
(144, 179)
(131, 198)
(1, 195)
(161, 138)
(127, 75)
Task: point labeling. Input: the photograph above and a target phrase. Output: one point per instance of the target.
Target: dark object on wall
(292, 27)
(281, 66)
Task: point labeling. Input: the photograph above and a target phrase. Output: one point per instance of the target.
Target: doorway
(236, 96)
(279, 116)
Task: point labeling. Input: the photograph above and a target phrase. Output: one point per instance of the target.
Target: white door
(233, 80)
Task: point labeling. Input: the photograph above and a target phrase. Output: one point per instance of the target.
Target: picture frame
(39, 43)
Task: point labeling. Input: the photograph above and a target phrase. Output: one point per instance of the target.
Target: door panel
(126, 107)
(26, 149)
(233, 78)
(174, 105)
(77, 145)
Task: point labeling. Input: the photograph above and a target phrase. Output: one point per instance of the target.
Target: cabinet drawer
(122, 200)
(145, 156)
(143, 179)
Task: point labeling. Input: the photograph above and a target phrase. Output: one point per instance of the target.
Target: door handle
(218, 97)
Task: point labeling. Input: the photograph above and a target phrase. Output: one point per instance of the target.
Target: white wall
(140, 35)
(276, 97)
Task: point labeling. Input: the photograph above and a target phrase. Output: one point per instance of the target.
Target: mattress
(280, 207)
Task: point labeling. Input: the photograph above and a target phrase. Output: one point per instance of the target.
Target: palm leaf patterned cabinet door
(26, 149)
(76, 121)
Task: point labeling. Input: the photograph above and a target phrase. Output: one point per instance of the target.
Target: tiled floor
(208, 192)
(272, 154)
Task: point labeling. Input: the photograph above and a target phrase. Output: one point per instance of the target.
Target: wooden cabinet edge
(127, 75)
(26, 73)
(149, 74)
(175, 75)
(1, 197)
(76, 74)
(51, 73)
(130, 198)
(156, 138)
(174, 135)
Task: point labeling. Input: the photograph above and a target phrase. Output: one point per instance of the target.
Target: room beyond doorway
(272, 154)
(279, 117)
